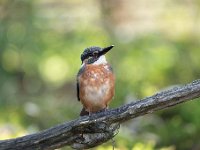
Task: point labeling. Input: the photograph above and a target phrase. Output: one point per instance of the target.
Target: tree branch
(90, 131)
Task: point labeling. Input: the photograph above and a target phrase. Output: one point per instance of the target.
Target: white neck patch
(101, 60)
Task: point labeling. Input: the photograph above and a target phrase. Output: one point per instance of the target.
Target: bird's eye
(95, 53)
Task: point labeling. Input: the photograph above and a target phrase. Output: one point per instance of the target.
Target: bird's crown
(94, 52)
(90, 52)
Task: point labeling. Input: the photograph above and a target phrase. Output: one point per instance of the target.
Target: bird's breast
(96, 86)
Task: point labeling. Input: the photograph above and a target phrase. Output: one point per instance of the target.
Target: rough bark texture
(90, 131)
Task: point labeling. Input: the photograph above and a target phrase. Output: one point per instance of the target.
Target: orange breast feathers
(96, 86)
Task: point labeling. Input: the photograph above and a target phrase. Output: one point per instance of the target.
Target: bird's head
(95, 55)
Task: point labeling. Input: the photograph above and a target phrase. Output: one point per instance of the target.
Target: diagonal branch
(90, 131)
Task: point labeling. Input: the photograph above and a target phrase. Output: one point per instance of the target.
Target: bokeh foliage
(40, 47)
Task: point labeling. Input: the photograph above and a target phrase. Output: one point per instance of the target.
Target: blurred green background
(157, 45)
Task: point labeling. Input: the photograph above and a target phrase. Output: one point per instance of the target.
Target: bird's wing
(77, 90)
(77, 82)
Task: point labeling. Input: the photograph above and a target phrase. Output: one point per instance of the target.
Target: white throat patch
(101, 60)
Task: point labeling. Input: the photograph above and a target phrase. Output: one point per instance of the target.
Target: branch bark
(90, 131)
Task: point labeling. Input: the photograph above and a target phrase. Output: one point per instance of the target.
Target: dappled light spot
(144, 146)
(54, 69)
(149, 89)
(31, 109)
(8, 130)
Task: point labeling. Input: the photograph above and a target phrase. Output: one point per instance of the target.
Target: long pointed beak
(105, 50)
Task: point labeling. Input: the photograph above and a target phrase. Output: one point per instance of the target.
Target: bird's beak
(105, 50)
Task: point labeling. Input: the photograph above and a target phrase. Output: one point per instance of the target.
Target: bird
(95, 80)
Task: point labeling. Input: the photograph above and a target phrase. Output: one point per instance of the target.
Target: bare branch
(90, 131)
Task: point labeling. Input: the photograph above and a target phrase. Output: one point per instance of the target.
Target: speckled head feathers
(94, 51)
(88, 52)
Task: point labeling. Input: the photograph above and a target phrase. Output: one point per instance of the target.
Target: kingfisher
(95, 80)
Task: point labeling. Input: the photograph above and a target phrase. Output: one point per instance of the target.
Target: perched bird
(95, 80)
